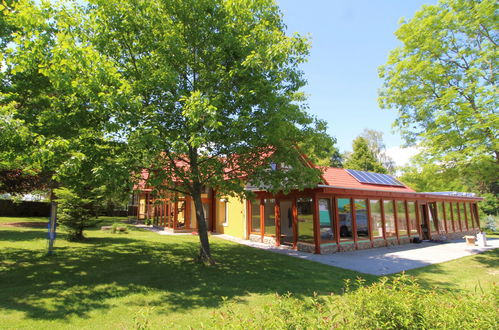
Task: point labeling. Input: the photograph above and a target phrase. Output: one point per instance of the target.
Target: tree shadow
(78, 280)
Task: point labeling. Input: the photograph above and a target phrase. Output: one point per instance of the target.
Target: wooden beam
(277, 220)
(317, 231)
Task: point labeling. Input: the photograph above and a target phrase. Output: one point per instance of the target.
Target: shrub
(119, 228)
(74, 213)
(397, 303)
(148, 222)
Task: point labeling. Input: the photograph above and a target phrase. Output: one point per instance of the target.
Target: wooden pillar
(383, 222)
(262, 218)
(407, 220)
(317, 229)
(395, 216)
(354, 222)
(295, 224)
(459, 217)
(418, 218)
(175, 215)
(369, 222)
(277, 217)
(337, 222)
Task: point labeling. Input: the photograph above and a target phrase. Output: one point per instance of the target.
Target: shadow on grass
(22, 235)
(82, 278)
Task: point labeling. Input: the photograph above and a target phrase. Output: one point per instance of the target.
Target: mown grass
(129, 280)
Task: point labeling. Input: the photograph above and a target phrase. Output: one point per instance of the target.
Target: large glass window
(476, 220)
(441, 218)
(361, 218)
(401, 218)
(470, 215)
(345, 214)
(432, 210)
(457, 225)
(255, 216)
(389, 219)
(376, 222)
(448, 217)
(269, 219)
(413, 221)
(326, 220)
(462, 215)
(304, 206)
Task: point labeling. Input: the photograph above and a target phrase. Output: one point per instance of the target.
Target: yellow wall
(236, 217)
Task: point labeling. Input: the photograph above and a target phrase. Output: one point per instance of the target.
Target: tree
(76, 212)
(55, 100)
(214, 95)
(443, 82)
(362, 158)
(377, 146)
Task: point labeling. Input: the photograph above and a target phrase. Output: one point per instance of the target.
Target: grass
(128, 280)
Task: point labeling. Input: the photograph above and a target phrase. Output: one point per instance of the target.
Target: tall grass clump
(392, 303)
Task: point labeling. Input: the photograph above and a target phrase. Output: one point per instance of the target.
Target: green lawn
(120, 280)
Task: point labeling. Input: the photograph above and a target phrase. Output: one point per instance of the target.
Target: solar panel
(374, 178)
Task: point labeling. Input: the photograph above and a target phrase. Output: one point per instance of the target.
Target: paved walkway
(378, 261)
(387, 260)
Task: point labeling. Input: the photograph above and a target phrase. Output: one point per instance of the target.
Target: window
(345, 215)
(432, 211)
(361, 218)
(462, 216)
(304, 207)
(255, 216)
(401, 218)
(469, 213)
(448, 217)
(413, 221)
(376, 222)
(326, 220)
(476, 220)
(269, 216)
(457, 226)
(224, 212)
(389, 219)
(441, 218)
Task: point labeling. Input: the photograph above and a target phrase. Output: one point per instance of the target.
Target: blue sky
(350, 40)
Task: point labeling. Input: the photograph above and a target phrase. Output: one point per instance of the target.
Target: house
(348, 210)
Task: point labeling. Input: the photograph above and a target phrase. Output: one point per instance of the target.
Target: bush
(74, 213)
(397, 303)
(119, 228)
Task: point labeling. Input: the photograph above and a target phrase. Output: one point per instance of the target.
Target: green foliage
(362, 158)
(490, 224)
(443, 82)
(119, 228)
(75, 213)
(396, 303)
(490, 205)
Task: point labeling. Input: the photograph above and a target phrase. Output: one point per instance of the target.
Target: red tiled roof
(339, 178)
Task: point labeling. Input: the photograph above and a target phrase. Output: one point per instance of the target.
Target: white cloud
(401, 155)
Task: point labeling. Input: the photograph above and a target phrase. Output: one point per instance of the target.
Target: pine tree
(362, 158)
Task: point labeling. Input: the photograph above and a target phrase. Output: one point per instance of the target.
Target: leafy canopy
(443, 79)
(214, 91)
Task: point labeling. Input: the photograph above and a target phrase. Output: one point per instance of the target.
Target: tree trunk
(204, 251)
